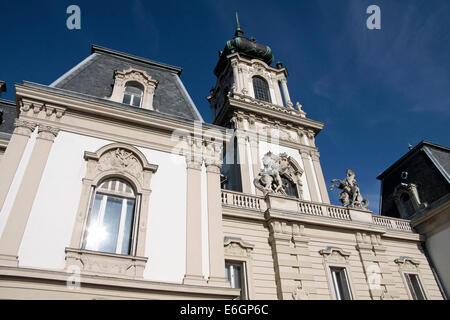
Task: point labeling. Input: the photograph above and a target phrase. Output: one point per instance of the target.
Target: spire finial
(239, 31)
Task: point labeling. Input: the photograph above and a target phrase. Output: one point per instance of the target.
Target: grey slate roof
(95, 77)
(8, 113)
(439, 155)
(2, 87)
(441, 158)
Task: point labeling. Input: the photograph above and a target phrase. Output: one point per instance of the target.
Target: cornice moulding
(112, 112)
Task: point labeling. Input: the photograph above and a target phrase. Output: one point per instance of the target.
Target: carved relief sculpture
(269, 179)
(350, 196)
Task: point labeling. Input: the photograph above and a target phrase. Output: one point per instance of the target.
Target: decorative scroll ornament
(269, 178)
(121, 159)
(350, 196)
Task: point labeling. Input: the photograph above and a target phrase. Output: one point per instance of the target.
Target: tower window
(289, 187)
(133, 94)
(261, 89)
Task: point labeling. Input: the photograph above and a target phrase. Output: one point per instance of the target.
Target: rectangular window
(235, 273)
(340, 283)
(414, 286)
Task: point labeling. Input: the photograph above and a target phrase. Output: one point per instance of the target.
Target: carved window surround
(409, 191)
(235, 249)
(121, 78)
(109, 264)
(407, 265)
(337, 257)
(128, 163)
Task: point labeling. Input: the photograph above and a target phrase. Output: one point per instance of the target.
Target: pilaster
(320, 178)
(243, 163)
(20, 212)
(13, 154)
(194, 272)
(379, 278)
(213, 162)
(289, 248)
(310, 176)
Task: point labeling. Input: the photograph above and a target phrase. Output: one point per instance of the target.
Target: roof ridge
(96, 48)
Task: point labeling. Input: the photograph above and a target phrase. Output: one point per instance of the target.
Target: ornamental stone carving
(269, 179)
(121, 78)
(105, 264)
(47, 132)
(335, 255)
(350, 196)
(406, 198)
(24, 127)
(407, 264)
(237, 248)
(212, 154)
(120, 159)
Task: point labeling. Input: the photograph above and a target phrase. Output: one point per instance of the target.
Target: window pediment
(120, 159)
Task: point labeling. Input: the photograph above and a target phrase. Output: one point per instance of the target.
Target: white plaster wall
(11, 196)
(52, 216)
(166, 231)
(50, 225)
(437, 246)
(265, 147)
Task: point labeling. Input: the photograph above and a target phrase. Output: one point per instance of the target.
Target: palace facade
(114, 187)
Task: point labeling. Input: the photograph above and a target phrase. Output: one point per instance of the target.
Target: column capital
(315, 155)
(47, 132)
(193, 164)
(304, 152)
(24, 127)
(213, 168)
(212, 155)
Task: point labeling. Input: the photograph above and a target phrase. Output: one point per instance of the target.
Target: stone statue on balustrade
(279, 176)
(350, 196)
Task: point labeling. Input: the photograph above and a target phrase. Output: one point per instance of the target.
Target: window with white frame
(133, 94)
(235, 273)
(340, 283)
(112, 218)
(415, 287)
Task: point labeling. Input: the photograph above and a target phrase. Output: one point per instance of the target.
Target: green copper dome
(245, 47)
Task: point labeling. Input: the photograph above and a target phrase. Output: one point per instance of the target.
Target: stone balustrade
(241, 200)
(258, 203)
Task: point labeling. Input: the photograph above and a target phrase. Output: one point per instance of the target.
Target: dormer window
(134, 87)
(133, 94)
(261, 89)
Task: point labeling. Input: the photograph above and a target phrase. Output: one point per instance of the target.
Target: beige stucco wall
(315, 279)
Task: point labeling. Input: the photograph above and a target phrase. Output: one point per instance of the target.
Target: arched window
(133, 94)
(111, 219)
(289, 186)
(261, 89)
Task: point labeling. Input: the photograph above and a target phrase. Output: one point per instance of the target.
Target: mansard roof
(94, 76)
(439, 155)
(7, 115)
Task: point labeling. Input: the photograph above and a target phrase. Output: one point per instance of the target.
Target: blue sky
(376, 90)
